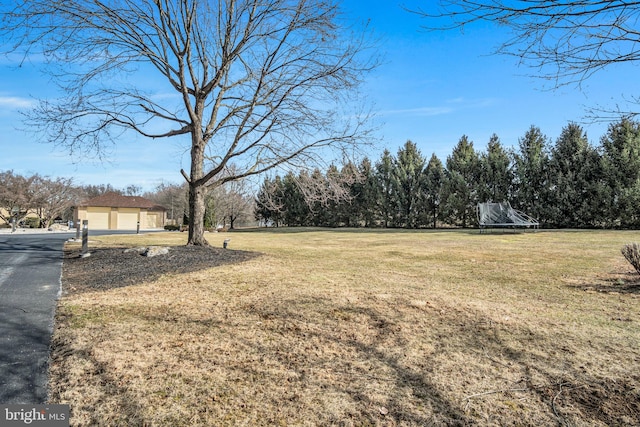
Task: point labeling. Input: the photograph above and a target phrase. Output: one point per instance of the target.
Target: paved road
(30, 273)
(30, 269)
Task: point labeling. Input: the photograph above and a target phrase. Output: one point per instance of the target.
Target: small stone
(140, 249)
(155, 251)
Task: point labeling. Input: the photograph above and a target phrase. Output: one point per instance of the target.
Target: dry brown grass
(362, 328)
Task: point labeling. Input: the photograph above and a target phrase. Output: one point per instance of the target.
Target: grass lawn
(353, 327)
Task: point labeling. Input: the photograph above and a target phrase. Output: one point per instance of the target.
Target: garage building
(112, 211)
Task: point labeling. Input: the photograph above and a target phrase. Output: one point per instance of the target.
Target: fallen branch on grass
(553, 403)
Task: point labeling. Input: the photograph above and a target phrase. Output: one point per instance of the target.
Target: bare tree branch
(259, 83)
(567, 41)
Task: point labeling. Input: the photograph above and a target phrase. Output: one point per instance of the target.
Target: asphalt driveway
(30, 284)
(30, 270)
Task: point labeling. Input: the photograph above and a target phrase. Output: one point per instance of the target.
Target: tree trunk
(197, 191)
(196, 215)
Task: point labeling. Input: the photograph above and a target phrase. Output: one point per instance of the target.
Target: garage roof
(115, 200)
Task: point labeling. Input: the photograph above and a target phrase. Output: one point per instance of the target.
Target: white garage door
(98, 218)
(128, 218)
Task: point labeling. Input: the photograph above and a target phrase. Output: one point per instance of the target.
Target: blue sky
(432, 88)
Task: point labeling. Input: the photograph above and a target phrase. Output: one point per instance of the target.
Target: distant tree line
(38, 201)
(40, 198)
(569, 183)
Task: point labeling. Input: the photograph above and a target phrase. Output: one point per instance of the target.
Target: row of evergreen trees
(567, 184)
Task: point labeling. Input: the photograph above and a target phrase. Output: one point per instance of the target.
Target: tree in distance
(246, 85)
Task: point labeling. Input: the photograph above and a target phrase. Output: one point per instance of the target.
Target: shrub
(172, 227)
(631, 252)
(32, 222)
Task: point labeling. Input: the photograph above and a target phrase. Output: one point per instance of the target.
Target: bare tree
(91, 191)
(173, 197)
(320, 189)
(259, 83)
(237, 204)
(133, 190)
(567, 41)
(52, 197)
(17, 197)
(45, 197)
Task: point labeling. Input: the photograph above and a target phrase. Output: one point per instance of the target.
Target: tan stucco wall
(148, 219)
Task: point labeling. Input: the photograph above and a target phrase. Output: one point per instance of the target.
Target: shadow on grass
(312, 351)
(624, 283)
(567, 398)
(370, 397)
(571, 394)
(102, 377)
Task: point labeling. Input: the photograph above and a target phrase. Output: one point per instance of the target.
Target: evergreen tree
(348, 206)
(211, 211)
(408, 184)
(573, 180)
(269, 202)
(263, 208)
(621, 166)
(384, 175)
(496, 176)
(319, 214)
(365, 193)
(296, 210)
(334, 206)
(531, 180)
(433, 187)
(461, 185)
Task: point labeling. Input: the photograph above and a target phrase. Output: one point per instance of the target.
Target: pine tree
(621, 166)
(531, 180)
(334, 206)
(321, 212)
(573, 180)
(269, 202)
(364, 192)
(461, 185)
(496, 176)
(407, 181)
(384, 174)
(296, 211)
(347, 206)
(433, 187)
